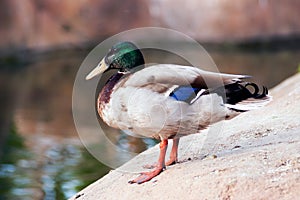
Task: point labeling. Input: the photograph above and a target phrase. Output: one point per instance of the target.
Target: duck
(168, 101)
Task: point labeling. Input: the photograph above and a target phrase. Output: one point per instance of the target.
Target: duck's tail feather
(244, 96)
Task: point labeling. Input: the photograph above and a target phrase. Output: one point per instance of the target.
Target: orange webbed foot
(147, 176)
(160, 166)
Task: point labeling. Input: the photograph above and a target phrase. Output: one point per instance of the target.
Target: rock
(51, 24)
(255, 156)
(214, 20)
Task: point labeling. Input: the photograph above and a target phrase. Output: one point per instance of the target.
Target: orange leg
(173, 156)
(147, 176)
(174, 153)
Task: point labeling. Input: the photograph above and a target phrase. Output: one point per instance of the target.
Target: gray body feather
(140, 102)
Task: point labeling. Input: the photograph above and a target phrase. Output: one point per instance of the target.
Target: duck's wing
(169, 75)
(185, 83)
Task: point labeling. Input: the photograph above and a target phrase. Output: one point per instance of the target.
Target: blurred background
(43, 43)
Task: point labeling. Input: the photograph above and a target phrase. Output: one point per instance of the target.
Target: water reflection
(41, 156)
(57, 173)
(13, 155)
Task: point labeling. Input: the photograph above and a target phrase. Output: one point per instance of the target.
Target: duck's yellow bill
(101, 67)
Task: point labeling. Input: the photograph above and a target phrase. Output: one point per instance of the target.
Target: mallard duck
(168, 101)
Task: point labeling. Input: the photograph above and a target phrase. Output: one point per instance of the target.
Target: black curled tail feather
(244, 96)
(256, 94)
(239, 91)
(236, 92)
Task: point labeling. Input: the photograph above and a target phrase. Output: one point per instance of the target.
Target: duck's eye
(109, 58)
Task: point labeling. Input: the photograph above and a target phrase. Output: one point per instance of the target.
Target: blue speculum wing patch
(184, 93)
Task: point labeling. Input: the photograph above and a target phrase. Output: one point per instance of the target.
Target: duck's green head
(124, 56)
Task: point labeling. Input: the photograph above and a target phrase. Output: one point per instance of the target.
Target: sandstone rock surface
(253, 156)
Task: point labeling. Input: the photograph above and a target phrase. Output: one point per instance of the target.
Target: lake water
(41, 156)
